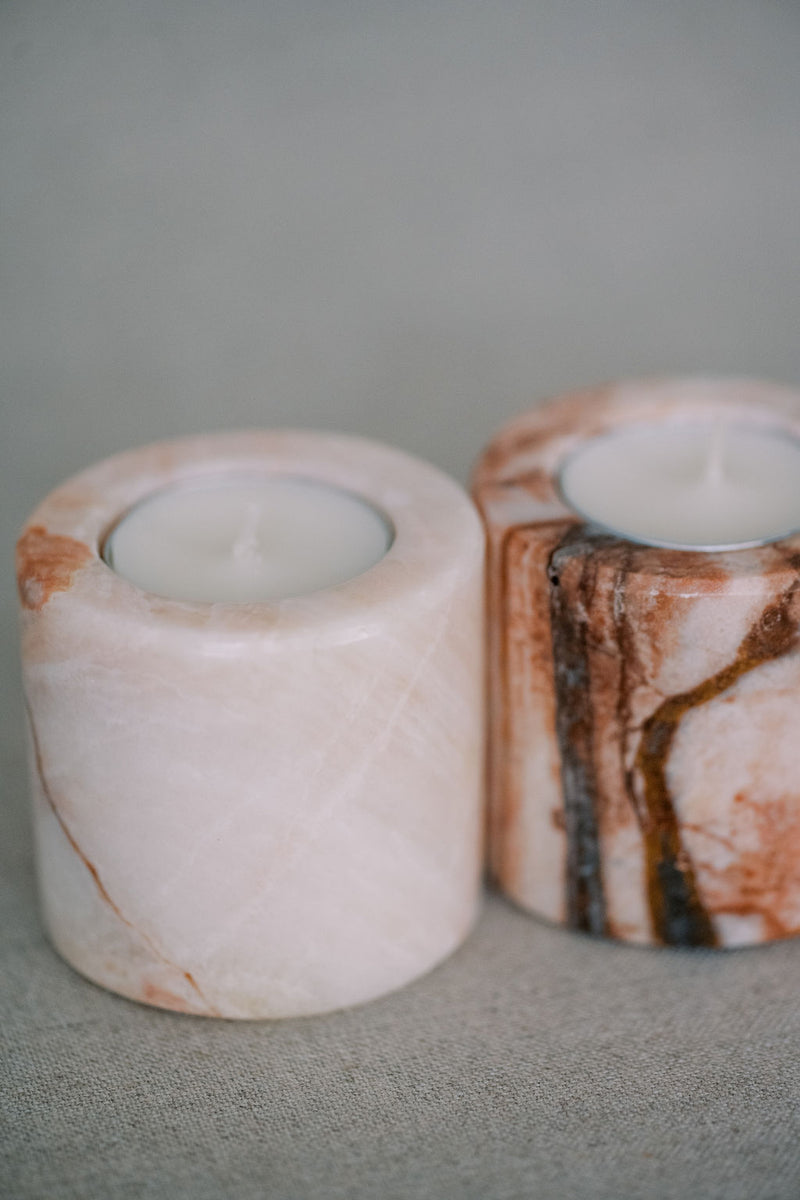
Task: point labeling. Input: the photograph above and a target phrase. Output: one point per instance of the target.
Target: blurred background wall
(404, 219)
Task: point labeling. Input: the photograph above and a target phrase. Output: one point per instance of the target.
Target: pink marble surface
(256, 810)
(644, 703)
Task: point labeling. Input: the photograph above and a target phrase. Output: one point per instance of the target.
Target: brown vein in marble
(629, 662)
(678, 914)
(586, 906)
(503, 808)
(505, 847)
(679, 917)
(92, 869)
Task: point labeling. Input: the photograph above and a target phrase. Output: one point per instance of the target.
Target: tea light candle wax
(247, 540)
(689, 485)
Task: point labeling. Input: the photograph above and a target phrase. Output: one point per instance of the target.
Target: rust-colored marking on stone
(588, 707)
(503, 810)
(678, 914)
(586, 906)
(755, 880)
(161, 997)
(46, 563)
(101, 889)
(616, 723)
(48, 795)
(506, 847)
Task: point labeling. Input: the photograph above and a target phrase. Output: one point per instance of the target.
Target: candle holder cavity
(644, 757)
(256, 809)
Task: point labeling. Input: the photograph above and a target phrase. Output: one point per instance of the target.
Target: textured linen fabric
(407, 221)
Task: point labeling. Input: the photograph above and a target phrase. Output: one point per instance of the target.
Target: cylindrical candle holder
(644, 762)
(256, 809)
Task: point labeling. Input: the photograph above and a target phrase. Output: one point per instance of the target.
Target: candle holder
(644, 762)
(256, 809)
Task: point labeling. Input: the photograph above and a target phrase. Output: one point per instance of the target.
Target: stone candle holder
(256, 810)
(644, 744)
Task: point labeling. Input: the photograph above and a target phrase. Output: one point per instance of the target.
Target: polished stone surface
(257, 810)
(644, 701)
(409, 221)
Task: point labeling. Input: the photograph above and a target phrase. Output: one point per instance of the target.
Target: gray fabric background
(408, 220)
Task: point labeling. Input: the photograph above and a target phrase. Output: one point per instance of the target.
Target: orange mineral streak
(760, 877)
(150, 992)
(47, 563)
(162, 998)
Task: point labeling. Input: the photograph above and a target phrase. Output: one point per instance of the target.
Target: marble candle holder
(256, 810)
(644, 756)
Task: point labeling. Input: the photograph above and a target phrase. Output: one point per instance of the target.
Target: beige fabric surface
(409, 221)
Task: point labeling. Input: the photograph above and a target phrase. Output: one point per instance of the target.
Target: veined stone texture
(257, 810)
(644, 758)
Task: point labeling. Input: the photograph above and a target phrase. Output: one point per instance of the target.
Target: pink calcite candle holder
(257, 810)
(644, 758)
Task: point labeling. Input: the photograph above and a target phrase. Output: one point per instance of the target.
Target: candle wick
(714, 471)
(246, 548)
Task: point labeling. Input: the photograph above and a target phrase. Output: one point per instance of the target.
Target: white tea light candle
(247, 540)
(691, 485)
(269, 808)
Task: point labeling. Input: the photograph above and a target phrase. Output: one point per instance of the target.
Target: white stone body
(260, 810)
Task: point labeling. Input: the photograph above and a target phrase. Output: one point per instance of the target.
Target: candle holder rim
(768, 402)
(412, 496)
